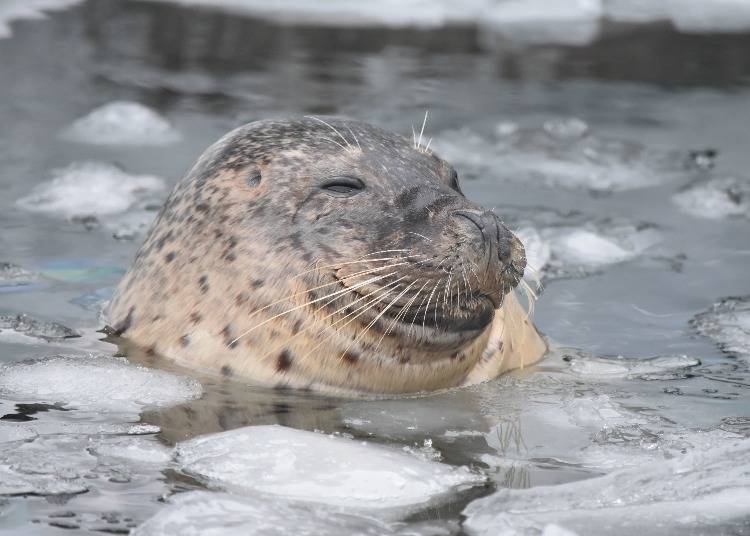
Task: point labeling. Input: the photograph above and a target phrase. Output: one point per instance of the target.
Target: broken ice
(560, 154)
(727, 322)
(31, 327)
(94, 383)
(314, 467)
(700, 492)
(716, 199)
(222, 514)
(622, 367)
(122, 123)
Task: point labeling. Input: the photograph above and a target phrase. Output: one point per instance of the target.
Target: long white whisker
(332, 128)
(421, 132)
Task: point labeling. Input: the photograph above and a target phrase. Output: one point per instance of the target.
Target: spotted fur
(237, 273)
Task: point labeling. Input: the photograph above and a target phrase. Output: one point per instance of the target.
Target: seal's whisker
(401, 313)
(354, 136)
(340, 264)
(420, 235)
(427, 147)
(334, 141)
(332, 128)
(421, 132)
(379, 315)
(348, 289)
(411, 327)
(466, 281)
(531, 297)
(359, 312)
(303, 292)
(316, 321)
(414, 136)
(424, 318)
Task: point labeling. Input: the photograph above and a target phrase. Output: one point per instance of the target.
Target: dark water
(653, 100)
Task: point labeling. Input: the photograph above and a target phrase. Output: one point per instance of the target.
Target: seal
(332, 255)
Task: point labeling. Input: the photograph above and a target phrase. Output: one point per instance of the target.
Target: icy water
(620, 159)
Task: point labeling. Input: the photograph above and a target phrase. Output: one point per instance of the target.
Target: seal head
(321, 253)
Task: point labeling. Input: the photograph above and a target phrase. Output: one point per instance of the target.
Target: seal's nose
(497, 240)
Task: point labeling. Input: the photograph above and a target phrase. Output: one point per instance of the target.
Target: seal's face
(382, 229)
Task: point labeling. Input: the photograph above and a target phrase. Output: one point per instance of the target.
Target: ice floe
(623, 367)
(572, 251)
(11, 10)
(94, 383)
(122, 123)
(562, 153)
(310, 466)
(91, 189)
(727, 322)
(700, 491)
(31, 327)
(206, 513)
(12, 275)
(717, 198)
(576, 22)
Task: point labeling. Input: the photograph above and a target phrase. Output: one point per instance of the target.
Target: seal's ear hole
(343, 186)
(253, 177)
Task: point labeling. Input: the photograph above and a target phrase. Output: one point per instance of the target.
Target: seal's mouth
(428, 315)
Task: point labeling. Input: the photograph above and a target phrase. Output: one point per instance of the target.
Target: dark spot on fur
(241, 299)
(185, 341)
(297, 326)
(203, 282)
(201, 207)
(281, 408)
(123, 326)
(195, 318)
(230, 257)
(227, 371)
(253, 177)
(257, 283)
(169, 257)
(351, 358)
(151, 351)
(229, 339)
(284, 361)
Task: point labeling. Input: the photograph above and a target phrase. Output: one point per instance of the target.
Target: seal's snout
(502, 252)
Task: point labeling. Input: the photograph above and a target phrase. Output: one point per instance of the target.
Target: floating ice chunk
(538, 251)
(581, 246)
(545, 21)
(122, 123)
(560, 154)
(31, 327)
(209, 514)
(14, 432)
(570, 128)
(556, 530)
(728, 324)
(94, 383)
(346, 13)
(707, 489)
(622, 367)
(135, 449)
(11, 10)
(716, 199)
(12, 275)
(579, 250)
(17, 484)
(314, 467)
(91, 189)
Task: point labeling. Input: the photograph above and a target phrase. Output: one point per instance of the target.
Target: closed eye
(343, 186)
